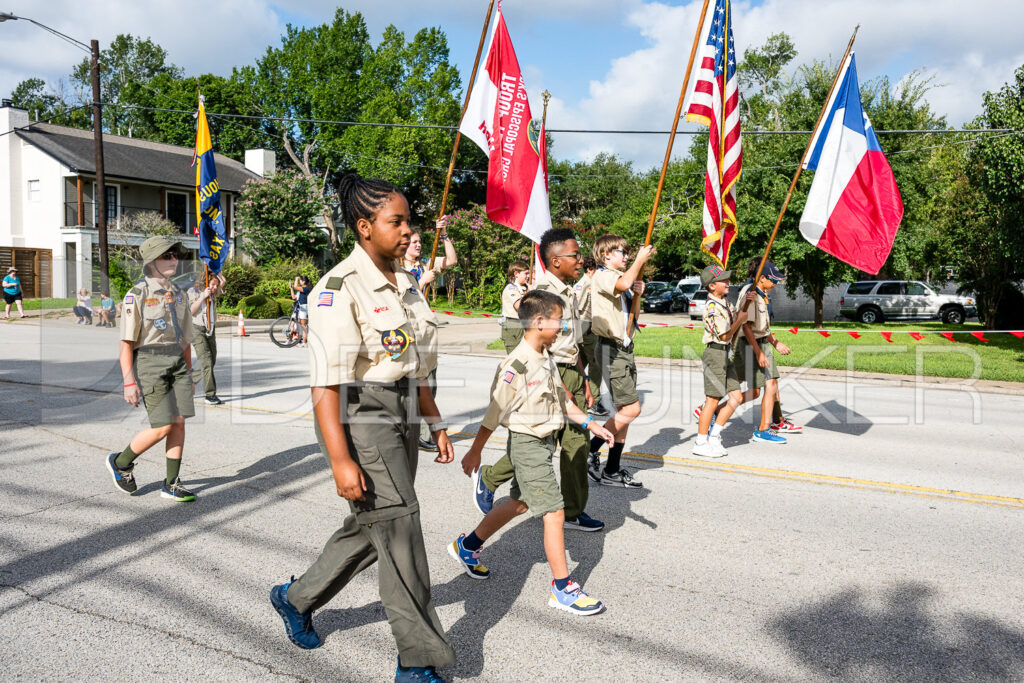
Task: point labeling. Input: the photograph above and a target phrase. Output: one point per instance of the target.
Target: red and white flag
(499, 121)
(715, 103)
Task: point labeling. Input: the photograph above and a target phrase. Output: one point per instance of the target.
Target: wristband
(583, 425)
(586, 378)
(129, 385)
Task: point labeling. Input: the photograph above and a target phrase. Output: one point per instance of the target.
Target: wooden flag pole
(796, 176)
(543, 128)
(458, 133)
(634, 310)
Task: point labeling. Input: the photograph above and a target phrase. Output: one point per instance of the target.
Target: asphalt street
(883, 543)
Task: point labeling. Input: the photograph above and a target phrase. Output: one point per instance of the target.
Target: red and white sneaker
(787, 426)
(696, 412)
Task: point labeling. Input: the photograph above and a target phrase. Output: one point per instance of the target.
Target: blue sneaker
(469, 560)
(123, 479)
(416, 674)
(298, 625)
(574, 600)
(483, 497)
(768, 436)
(584, 523)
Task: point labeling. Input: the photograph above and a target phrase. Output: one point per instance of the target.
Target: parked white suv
(872, 301)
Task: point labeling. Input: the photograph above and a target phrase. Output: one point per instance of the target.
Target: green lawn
(1001, 358)
(47, 304)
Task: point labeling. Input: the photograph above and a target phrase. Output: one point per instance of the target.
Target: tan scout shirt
(566, 346)
(609, 310)
(199, 319)
(760, 324)
(509, 296)
(527, 395)
(583, 298)
(362, 328)
(149, 312)
(718, 318)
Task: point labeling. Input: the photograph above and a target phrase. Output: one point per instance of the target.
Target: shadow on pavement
(848, 637)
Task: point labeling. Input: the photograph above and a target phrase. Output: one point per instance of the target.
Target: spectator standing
(12, 293)
(205, 339)
(300, 290)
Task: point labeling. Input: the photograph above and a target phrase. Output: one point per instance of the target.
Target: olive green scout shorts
(511, 334)
(720, 377)
(746, 365)
(534, 482)
(619, 369)
(165, 383)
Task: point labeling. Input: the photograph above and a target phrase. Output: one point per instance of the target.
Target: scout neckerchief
(764, 295)
(169, 297)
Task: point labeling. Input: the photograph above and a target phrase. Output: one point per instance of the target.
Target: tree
(42, 104)
(485, 251)
(126, 67)
(275, 217)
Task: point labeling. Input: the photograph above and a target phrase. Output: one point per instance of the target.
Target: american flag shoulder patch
(325, 299)
(509, 376)
(129, 300)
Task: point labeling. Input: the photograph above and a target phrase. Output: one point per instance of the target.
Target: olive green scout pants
(589, 350)
(572, 463)
(163, 379)
(511, 334)
(385, 528)
(206, 352)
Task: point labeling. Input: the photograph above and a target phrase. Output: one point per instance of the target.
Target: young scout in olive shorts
(721, 323)
(561, 254)
(156, 365)
(203, 300)
(755, 362)
(612, 292)
(528, 397)
(511, 329)
(372, 341)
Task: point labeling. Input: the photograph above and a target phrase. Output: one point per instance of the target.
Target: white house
(48, 190)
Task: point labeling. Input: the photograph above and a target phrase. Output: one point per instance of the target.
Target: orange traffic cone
(241, 325)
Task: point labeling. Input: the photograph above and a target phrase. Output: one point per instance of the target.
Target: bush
(240, 281)
(286, 304)
(274, 289)
(289, 268)
(120, 281)
(260, 307)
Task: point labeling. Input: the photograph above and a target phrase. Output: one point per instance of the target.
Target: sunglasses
(167, 255)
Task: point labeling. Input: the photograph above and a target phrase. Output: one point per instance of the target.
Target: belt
(168, 349)
(716, 345)
(401, 387)
(614, 342)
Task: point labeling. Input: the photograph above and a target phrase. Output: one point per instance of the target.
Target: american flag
(715, 103)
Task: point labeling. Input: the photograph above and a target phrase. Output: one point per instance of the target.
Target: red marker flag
(1018, 334)
(794, 330)
(499, 121)
(887, 336)
(947, 335)
(855, 335)
(915, 335)
(980, 336)
(823, 333)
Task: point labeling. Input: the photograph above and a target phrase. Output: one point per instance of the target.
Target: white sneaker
(712, 448)
(716, 443)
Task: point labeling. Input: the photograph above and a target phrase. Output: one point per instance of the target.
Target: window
(860, 288)
(177, 210)
(916, 289)
(33, 191)
(112, 195)
(890, 288)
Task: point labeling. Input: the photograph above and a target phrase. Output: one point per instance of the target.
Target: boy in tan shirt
(528, 397)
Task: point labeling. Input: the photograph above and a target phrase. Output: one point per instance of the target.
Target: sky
(609, 64)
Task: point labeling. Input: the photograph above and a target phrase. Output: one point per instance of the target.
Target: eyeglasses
(575, 257)
(624, 252)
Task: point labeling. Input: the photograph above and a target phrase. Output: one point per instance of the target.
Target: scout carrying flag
(498, 120)
(854, 207)
(213, 239)
(715, 103)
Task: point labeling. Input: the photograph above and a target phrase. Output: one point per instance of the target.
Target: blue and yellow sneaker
(768, 436)
(416, 674)
(483, 497)
(124, 479)
(298, 625)
(574, 600)
(469, 560)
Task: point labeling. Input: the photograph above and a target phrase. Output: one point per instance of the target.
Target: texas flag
(854, 207)
(498, 119)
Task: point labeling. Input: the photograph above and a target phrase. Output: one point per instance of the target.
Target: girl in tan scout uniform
(372, 340)
(511, 328)
(156, 365)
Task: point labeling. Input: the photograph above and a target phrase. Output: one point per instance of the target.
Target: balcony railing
(116, 219)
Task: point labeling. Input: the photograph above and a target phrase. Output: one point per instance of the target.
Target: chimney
(262, 162)
(11, 117)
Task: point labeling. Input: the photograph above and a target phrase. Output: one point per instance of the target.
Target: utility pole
(101, 192)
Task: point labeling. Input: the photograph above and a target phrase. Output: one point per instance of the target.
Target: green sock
(127, 457)
(173, 467)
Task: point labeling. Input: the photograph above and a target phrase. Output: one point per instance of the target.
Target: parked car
(662, 297)
(873, 301)
(697, 303)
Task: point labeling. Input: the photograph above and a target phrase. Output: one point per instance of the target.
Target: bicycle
(286, 331)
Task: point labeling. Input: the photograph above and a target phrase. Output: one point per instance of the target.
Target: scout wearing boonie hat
(714, 273)
(157, 327)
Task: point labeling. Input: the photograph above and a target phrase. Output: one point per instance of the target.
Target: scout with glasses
(156, 366)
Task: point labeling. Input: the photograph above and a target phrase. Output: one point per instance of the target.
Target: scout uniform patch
(395, 342)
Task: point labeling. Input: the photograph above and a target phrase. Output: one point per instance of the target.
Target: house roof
(130, 158)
